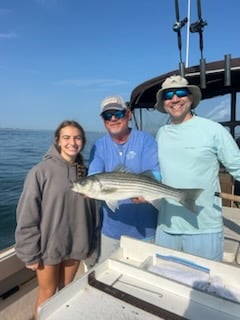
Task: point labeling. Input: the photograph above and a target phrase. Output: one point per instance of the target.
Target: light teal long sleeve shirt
(190, 154)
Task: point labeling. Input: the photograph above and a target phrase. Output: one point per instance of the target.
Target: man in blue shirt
(190, 150)
(136, 151)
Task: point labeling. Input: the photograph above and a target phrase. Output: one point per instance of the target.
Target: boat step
(238, 256)
(231, 251)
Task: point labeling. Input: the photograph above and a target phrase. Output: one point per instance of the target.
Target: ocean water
(20, 151)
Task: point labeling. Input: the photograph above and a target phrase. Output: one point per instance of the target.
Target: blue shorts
(206, 245)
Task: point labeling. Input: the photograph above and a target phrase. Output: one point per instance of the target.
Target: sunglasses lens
(168, 95)
(107, 115)
(119, 114)
(182, 93)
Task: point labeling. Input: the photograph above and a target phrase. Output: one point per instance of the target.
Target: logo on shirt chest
(131, 155)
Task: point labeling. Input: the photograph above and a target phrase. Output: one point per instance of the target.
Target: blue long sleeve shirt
(137, 155)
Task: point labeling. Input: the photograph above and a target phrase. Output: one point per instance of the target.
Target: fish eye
(82, 181)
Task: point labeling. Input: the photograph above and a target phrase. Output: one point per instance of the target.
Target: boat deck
(140, 281)
(19, 306)
(231, 220)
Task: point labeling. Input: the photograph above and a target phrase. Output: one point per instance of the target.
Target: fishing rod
(178, 25)
(198, 27)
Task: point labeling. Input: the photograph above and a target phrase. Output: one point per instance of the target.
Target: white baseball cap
(113, 103)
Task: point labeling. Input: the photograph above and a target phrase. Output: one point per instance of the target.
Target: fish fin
(189, 198)
(121, 168)
(148, 174)
(112, 204)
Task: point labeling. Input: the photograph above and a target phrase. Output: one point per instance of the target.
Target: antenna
(177, 28)
(198, 26)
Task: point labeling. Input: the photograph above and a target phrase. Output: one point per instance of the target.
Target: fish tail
(189, 197)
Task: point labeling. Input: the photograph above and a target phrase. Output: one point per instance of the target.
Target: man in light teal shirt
(190, 150)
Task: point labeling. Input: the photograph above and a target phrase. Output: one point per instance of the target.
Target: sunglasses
(118, 114)
(182, 92)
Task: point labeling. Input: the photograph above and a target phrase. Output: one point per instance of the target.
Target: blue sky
(60, 58)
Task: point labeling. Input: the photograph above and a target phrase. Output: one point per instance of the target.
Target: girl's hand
(138, 200)
(32, 267)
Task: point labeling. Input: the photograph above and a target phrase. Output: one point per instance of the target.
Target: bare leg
(68, 271)
(53, 278)
(48, 280)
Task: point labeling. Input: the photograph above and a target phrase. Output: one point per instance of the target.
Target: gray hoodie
(53, 222)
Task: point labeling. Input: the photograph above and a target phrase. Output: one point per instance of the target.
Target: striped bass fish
(114, 186)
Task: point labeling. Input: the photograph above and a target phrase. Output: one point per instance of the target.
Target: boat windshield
(216, 108)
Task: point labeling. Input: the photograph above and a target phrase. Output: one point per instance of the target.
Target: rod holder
(202, 73)
(182, 69)
(227, 70)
